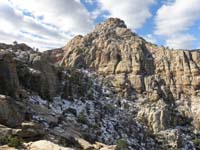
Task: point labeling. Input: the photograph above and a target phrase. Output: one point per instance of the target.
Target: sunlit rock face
(164, 82)
(134, 65)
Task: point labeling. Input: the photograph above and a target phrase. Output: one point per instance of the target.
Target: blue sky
(49, 24)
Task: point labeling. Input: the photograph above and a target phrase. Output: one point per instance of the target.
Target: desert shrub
(15, 142)
(110, 108)
(196, 142)
(126, 106)
(4, 140)
(198, 125)
(69, 142)
(82, 118)
(121, 145)
(11, 141)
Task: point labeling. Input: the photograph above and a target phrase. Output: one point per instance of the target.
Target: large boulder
(157, 116)
(39, 76)
(11, 114)
(31, 131)
(45, 145)
(170, 139)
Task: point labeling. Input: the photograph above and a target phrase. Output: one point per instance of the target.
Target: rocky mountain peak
(111, 23)
(164, 82)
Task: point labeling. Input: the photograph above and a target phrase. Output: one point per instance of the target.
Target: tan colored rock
(85, 144)
(171, 139)
(156, 115)
(6, 147)
(101, 146)
(47, 145)
(4, 131)
(30, 130)
(44, 145)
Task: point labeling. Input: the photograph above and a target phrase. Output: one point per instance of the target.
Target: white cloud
(176, 18)
(133, 12)
(150, 38)
(180, 41)
(68, 15)
(60, 20)
(90, 1)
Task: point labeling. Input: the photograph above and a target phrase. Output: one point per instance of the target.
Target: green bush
(198, 125)
(82, 118)
(15, 142)
(11, 141)
(122, 145)
(196, 142)
(110, 108)
(4, 140)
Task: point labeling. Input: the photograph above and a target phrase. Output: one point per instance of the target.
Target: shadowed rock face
(10, 113)
(8, 76)
(22, 67)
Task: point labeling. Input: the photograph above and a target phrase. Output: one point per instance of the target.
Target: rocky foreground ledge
(109, 86)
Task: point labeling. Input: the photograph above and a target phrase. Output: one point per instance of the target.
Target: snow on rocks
(103, 118)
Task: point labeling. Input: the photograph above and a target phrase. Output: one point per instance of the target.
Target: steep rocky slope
(164, 82)
(68, 106)
(109, 86)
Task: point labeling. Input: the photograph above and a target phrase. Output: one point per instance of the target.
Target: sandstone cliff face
(114, 51)
(165, 83)
(55, 55)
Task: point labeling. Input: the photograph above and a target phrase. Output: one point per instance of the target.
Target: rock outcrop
(11, 114)
(8, 77)
(133, 64)
(164, 83)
